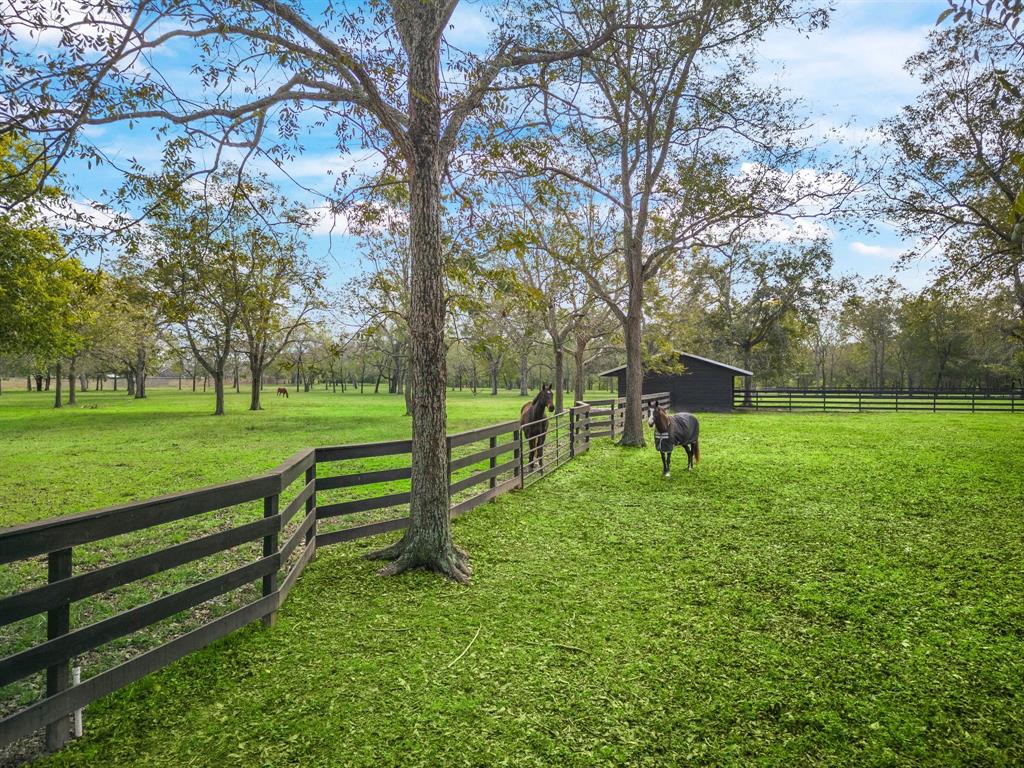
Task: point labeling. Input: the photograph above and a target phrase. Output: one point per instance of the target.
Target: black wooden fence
(496, 457)
(962, 400)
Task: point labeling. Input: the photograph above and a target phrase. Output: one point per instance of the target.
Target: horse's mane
(660, 414)
(536, 400)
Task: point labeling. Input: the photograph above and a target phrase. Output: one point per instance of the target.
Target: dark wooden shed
(704, 385)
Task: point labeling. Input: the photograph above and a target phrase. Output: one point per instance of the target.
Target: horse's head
(547, 398)
(657, 416)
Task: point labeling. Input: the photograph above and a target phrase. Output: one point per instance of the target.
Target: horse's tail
(696, 451)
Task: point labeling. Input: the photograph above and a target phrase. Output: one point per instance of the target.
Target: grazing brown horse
(536, 431)
(282, 391)
(678, 429)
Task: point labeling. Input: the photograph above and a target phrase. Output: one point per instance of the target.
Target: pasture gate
(263, 530)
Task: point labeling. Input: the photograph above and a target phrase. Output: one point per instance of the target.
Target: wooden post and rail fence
(297, 501)
(864, 400)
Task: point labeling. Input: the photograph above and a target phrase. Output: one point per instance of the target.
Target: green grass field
(111, 449)
(825, 589)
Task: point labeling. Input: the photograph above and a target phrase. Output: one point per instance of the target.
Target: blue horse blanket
(683, 429)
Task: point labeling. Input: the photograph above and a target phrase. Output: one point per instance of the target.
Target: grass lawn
(824, 589)
(110, 449)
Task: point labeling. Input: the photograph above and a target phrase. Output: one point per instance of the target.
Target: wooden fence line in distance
(860, 400)
(276, 570)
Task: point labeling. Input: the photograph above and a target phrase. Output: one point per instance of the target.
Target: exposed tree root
(453, 564)
(388, 553)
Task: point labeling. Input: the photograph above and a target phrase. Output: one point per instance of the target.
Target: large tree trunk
(559, 375)
(56, 400)
(72, 400)
(524, 372)
(130, 381)
(579, 363)
(254, 391)
(427, 542)
(218, 389)
(140, 372)
(748, 381)
(633, 431)
(39, 382)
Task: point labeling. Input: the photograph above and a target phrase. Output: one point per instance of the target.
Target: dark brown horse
(282, 391)
(678, 429)
(536, 431)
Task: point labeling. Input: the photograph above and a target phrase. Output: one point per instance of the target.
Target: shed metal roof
(734, 369)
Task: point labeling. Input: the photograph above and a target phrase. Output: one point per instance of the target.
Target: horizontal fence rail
(296, 508)
(965, 400)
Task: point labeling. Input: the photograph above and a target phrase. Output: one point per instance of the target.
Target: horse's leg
(540, 452)
(668, 463)
(689, 457)
(664, 464)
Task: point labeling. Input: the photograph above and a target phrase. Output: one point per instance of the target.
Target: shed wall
(703, 387)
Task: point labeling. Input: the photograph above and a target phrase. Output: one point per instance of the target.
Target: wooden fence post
(615, 411)
(558, 441)
(572, 432)
(493, 443)
(58, 622)
(311, 505)
(517, 455)
(270, 546)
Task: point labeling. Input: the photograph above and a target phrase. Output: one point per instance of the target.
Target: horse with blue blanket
(669, 431)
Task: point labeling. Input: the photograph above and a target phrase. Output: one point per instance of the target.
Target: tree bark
(427, 542)
(633, 432)
(408, 392)
(524, 372)
(140, 372)
(748, 381)
(218, 389)
(72, 400)
(254, 391)
(56, 400)
(559, 376)
(579, 363)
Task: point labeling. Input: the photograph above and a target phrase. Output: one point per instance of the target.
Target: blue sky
(852, 73)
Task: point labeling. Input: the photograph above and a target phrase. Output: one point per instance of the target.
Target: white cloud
(469, 28)
(846, 71)
(878, 251)
(345, 223)
(781, 230)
